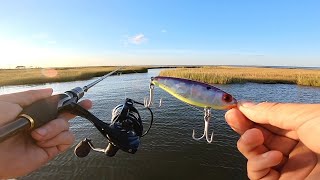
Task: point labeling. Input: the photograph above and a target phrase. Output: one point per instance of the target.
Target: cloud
(137, 39)
(164, 31)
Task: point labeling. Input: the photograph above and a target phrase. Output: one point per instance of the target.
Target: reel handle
(83, 148)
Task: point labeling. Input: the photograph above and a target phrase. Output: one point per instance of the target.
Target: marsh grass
(228, 75)
(38, 75)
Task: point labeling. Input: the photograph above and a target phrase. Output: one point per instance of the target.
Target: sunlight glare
(49, 72)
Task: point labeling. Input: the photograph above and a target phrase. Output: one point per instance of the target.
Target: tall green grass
(37, 75)
(228, 75)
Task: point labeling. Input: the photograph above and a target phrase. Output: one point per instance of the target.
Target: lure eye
(227, 98)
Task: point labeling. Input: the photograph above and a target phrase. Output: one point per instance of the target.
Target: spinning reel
(124, 131)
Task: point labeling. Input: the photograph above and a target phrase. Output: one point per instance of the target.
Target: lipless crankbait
(194, 93)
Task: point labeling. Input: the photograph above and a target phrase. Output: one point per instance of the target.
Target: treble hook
(207, 118)
(149, 101)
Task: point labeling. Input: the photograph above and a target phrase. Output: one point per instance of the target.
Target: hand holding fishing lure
(194, 93)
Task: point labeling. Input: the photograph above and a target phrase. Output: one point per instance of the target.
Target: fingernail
(265, 155)
(244, 136)
(42, 131)
(247, 104)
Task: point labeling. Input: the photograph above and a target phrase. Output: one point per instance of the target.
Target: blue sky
(115, 32)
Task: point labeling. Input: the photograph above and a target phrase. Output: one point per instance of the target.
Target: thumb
(302, 118)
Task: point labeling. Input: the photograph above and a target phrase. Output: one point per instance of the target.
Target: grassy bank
(228, 75)
(39, 76)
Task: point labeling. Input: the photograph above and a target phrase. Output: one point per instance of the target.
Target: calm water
(168, 151)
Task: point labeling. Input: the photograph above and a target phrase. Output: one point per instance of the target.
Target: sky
(55, 33)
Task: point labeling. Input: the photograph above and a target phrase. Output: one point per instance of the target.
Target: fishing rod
(124, 131)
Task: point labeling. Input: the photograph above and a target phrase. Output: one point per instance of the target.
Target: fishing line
(124, 83)
(124, 87)
(133, 84)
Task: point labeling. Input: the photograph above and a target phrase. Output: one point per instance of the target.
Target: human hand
(279, 140)
(22, 154)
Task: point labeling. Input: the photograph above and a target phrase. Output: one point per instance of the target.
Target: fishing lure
(194, 93)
